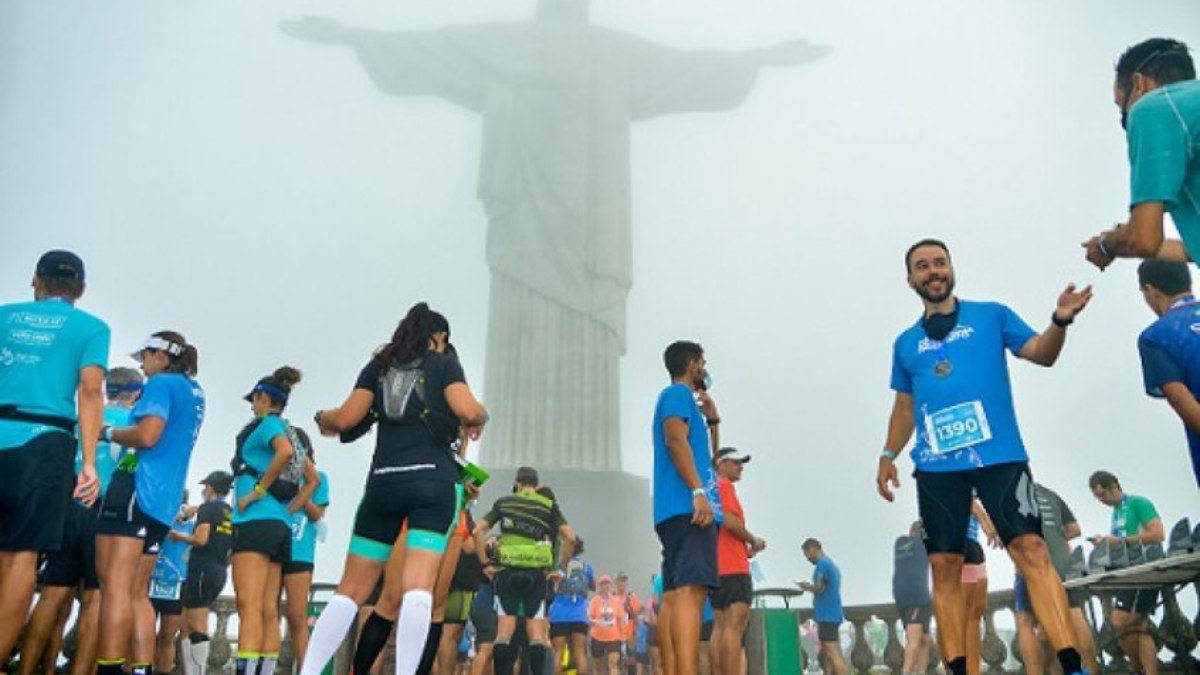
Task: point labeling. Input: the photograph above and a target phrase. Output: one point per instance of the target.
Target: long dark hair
(187, 361)
(411, 339)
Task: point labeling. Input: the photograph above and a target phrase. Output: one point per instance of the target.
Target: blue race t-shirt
(304, 531)
(827, 606)
(571, 598)
(172, 563)
(962, 395)
(672, 497)
(162, 468)
(1170, 351)
(1164, 156)
(107, 454)
(258, 453)
(43, 347)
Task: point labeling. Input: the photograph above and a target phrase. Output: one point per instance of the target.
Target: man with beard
(687, 509)
(952, 388)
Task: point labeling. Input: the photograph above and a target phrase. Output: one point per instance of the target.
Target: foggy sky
(259, 195)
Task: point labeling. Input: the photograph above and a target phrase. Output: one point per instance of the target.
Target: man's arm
(1044, 348)
(900, 428)
(1184, 403)
(1152, 533)
(734, 525)
(90, 401)
(480, 536)
(567, 534)
(676, 431)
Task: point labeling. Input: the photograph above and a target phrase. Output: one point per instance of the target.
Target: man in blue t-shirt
(686, 505)
(1159, 98)
(826, 587)
(51, 355)
(952, 386)
(1170, 347)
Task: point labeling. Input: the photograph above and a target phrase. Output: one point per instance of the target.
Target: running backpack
(287, 484)
(402, 401)
(575, 581)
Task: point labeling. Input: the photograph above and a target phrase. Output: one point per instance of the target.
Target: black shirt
(416, 450)
(217, 515)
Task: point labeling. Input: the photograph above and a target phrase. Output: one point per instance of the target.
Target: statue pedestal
(610, 510)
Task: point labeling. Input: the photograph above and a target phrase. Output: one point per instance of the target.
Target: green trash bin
(781, 631)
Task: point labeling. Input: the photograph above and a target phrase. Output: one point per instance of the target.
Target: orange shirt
(607, 619)
(733, 556)
(632, 607)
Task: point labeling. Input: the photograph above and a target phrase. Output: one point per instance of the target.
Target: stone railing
(876, 634)
(874, 630)
(876, 639)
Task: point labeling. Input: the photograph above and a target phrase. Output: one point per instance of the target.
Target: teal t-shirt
(43, 346)
(1131, 515)
(257, 453)
(1164, 156)
(107, 454)
(304, 531)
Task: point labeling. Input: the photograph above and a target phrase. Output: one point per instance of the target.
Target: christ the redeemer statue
(557, 96)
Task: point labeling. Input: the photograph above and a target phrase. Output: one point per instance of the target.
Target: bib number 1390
(957, 427)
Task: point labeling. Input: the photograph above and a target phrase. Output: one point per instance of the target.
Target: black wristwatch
(1059, 322)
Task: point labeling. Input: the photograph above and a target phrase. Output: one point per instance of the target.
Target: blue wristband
(888, 453)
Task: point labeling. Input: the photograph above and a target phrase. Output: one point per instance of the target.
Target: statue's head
(566, 11)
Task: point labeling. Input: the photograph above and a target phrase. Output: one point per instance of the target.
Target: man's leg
(950, 608)
(666, 644)
(717, 655)
(1031, 646)
(1007, 493)
(1049, 598)
(833, 656)
(975, 596)
(914, 642)
(687, 605)
(42, 622)
(87, 633)
(447, 658)
(1085, 640)
(18, 576)
(169, 626)
(737, 615)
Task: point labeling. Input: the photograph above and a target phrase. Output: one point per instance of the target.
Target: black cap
(60, 265)
(1169, 277)
(527, 475)
(220, 481)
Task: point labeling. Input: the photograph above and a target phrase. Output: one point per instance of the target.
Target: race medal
(943, 367)
(957, 427)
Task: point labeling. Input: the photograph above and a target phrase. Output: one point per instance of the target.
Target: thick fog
(264, 197)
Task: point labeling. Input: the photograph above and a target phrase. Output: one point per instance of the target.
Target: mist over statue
(556, 96)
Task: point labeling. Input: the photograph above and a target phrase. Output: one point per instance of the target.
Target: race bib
(298, 521)
(164, 590)
(957, 427)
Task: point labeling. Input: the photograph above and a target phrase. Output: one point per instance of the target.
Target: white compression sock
(199, 660)
(327, 635)
(185, 651)
(412, 628)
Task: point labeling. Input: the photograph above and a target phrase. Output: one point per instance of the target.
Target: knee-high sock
(503, 656)
(537, 658)
(266, 665)
(197, 663)
(431, 649)
(412, 627)
(375, 633)
(327, 635)
(185, 653)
